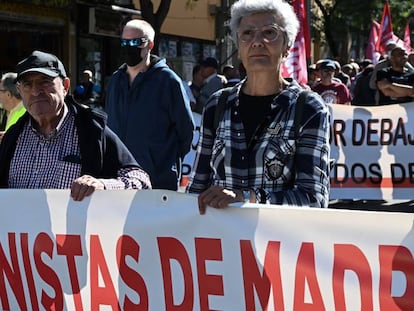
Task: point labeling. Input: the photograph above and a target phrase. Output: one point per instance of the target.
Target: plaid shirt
(279, 167)
(53, 162)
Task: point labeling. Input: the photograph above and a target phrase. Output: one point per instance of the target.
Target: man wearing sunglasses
(148, 107)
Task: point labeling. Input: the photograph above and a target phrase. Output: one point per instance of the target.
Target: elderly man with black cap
(58, 143)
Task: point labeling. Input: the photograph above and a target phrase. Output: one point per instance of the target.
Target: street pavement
(404, 206)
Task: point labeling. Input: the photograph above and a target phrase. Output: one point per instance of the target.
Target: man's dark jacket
(102, 152)
(152, 116)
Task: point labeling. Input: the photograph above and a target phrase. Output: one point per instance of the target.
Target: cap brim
(47, 72)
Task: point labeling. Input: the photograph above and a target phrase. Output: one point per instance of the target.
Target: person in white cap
(84, 90)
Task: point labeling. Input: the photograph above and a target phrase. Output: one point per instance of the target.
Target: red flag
(386, 33)
(370, 51)
(399, 42)
(295, 65)
(407, 39)
(303, 20)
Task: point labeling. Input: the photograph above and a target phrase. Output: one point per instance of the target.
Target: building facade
(24, 27)
(85, 34)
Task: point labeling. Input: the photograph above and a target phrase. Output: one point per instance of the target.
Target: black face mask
(132, 55)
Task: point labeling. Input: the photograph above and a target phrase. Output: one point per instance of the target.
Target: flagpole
(310, 53)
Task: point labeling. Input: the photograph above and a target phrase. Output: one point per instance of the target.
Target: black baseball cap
(45, 63)
(327, 64)
(210, 62)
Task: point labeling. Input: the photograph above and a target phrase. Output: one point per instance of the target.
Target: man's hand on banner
(84, 186)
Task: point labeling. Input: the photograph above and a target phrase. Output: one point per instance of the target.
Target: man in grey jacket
(212, 81)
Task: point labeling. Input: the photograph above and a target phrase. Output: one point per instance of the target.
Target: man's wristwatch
(246, 195)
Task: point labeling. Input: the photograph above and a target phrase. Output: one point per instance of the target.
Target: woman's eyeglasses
(134, 42)
(268, 33)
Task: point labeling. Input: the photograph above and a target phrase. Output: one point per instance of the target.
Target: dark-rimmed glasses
(134, 42)
(269, 33)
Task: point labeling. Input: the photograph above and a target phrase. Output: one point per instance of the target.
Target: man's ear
(66, 84)
(150, 44)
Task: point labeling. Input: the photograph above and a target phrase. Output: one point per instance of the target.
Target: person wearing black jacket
(59, 143)
(395, 83)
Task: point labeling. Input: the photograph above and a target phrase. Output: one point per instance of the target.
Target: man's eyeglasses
(268, 33)
(134, 42)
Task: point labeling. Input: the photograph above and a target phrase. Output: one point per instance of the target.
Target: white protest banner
(151, 250)
(372, 149)
(189, 158)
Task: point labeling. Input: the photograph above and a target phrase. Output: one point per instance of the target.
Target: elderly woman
(254, 153)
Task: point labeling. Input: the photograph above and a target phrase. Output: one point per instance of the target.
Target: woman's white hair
(281, 9)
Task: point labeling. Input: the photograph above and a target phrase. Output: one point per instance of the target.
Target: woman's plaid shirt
(279, 167)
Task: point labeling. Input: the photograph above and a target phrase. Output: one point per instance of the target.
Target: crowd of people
(368, 82)
(264, 138)
(361, 83)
